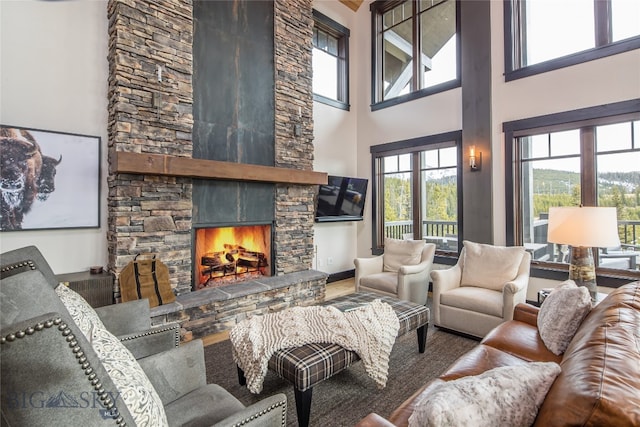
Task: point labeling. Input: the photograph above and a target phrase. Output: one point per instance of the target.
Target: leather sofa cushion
(521, 340)
(477, 300)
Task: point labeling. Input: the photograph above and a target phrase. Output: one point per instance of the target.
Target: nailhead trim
(79, 354)
(264, 412)
(154, 332)
(21, 264)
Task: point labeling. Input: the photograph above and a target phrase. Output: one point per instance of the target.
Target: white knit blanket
(369, 330)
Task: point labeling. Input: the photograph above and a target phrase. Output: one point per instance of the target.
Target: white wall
(53, 76)
(335, 152)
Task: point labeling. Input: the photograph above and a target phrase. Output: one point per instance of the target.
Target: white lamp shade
(583, 226)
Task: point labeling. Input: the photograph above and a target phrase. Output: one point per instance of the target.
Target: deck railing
(445, 235)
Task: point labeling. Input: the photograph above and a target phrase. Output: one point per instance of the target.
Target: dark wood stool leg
(241, 378)
(422, 337)
(303, 406)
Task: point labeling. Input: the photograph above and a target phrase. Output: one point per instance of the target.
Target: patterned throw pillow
(561, 314)
(504, 396)
(136, 390)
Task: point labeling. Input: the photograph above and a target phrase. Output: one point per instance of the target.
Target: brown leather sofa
(600, 380)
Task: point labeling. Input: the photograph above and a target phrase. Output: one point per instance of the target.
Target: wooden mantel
(161, 164)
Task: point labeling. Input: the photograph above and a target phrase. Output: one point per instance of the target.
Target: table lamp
(583, 228)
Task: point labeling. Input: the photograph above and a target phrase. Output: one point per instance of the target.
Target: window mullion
(602, 22)
(588, 166)
(415, 197)
(416, 81)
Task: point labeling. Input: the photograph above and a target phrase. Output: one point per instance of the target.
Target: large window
(416, 191)
(567, 160)
(415, 49)
(330, 62)
(542, 35)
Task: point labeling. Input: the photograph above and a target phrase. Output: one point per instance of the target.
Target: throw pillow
(561, 314)
(489, 266)
(399, 252)
(136, 390)
(507, 395)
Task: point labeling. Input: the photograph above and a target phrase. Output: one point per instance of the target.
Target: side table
(543, 293)
(96, 289)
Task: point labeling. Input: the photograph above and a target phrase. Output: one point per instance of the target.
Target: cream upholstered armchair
(482, 289)
(401, 272)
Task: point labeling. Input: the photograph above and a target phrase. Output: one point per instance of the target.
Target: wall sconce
(475, 159)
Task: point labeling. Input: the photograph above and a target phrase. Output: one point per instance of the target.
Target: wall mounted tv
(342, 199)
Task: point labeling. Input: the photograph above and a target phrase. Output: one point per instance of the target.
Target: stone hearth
(210, 311)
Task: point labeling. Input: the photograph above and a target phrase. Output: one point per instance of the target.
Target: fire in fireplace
(226, 255)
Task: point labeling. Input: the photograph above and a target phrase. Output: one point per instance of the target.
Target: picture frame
(48, 179)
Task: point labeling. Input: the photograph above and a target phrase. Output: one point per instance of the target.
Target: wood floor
(334, 290)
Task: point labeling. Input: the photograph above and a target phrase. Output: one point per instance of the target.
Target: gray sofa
(52, 375)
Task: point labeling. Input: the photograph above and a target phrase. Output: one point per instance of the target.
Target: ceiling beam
(352, 4)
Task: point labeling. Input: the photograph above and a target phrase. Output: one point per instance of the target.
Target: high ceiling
(352, 4)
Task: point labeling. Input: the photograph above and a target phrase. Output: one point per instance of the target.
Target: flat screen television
(341, 199)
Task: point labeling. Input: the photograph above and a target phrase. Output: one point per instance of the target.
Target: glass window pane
(613, 137)
(332, 45)
(448, 157)
(619, 186)
(564, 143)
(397, 14)
(429, 159)
(546, 183)
(439, 198)
(390, 164)
(427, 4)
(397, 61)
(535, 146)
(438, 38)
(548, 35)
(618, 172)
(398, 206)
(405, 162)
(440, 208)
(625, 19)
(325, 74)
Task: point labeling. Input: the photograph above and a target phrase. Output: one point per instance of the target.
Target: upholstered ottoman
(310, 364)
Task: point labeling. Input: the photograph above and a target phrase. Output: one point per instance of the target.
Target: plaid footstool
(310, 364)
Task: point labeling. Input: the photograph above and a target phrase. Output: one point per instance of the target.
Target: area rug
(349, 396)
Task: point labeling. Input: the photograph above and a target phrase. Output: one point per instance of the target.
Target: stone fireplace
(201, 133)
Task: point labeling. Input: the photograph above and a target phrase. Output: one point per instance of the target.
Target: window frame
(411, 146)
(513, 33)
(342, 34)
(576, 119)
(377, 9)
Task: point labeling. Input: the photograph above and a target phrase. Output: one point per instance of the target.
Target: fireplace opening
(227, 255)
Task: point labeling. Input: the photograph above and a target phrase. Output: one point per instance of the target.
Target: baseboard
(342, 275)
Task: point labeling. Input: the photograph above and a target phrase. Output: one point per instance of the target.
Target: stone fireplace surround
(151, 123)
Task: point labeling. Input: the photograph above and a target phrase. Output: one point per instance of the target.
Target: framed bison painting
(48, 179)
